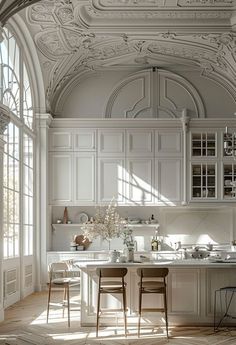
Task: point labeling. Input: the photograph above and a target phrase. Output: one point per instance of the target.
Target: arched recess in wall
(17, 25)
(154, 93)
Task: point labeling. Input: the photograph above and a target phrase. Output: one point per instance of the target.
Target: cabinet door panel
(85, 140)
(60, 140)
(184, 291)
(111, 180)
(140, 180)
(168, 144)
(168, 177)
(84, 178)
(140, 143)
(60, 178)
(110, 142)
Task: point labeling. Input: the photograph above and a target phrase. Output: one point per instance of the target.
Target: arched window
(18, 184)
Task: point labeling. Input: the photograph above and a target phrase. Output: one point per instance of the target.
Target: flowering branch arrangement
(107, 223)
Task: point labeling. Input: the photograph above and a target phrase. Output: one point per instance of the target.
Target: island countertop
(160, 263)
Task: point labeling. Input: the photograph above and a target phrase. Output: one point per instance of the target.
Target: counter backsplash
(185, 225)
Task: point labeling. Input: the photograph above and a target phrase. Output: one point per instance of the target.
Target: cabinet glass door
(203, 181)
(229, 183)
(203, 144)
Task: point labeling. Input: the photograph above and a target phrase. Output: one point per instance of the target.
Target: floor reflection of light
(69, 336)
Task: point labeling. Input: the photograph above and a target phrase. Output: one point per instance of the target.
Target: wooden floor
(25, 324)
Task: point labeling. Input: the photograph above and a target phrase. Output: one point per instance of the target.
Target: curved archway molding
(154, 93)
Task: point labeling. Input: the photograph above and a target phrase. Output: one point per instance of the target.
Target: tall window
(18, 184)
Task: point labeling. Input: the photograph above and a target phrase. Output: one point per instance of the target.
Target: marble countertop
(161, 263)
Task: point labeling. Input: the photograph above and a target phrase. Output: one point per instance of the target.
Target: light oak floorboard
(25, 324)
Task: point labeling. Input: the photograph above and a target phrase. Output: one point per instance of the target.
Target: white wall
(90, 97)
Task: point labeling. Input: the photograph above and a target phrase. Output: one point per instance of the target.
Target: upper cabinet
(84, 140)
(60, 140)
(140, 143)
(168, 143)
(60, 181)
(111, 142)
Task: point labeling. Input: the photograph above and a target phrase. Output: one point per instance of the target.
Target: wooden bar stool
(59, 277)
(154, 286)
(117, 286)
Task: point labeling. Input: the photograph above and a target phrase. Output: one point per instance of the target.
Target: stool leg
(166, 317)
(98, 312)
(68, 304)
(215, 328)
(49, 298)
(124, 309)
(139, 311)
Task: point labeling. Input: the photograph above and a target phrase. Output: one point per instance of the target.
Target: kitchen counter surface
(161, 263)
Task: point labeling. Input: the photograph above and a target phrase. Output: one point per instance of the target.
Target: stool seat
(152, 286)
(106, 286)
(111, 286)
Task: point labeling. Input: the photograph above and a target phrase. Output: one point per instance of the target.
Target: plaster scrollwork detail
(4, 119)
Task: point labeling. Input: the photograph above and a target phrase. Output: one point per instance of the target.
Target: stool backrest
(156, 272)
(111, 272)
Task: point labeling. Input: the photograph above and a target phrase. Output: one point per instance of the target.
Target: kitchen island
(190, 284)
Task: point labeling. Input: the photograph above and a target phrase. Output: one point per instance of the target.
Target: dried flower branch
(107, 223)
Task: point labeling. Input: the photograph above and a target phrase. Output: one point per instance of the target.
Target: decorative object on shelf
(65, 216)
(155, 242)
(107, 224)
(230, 143)
(81, 241)
(83, 218)
(59, 221)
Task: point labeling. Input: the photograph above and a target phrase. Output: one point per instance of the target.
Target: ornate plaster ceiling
(79, 37)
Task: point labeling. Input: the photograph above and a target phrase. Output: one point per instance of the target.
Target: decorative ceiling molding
(78, 37)
(9, 7)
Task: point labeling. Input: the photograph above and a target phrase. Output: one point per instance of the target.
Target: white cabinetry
(168, 180)
(111, 142)
(140, 180)
(60, 185)
(111, 180)
(84, 177)
(139, 166)
(140, 143)
(72, 174)
(184, 292)
(60, 140)
(85, 140)
(168, 143)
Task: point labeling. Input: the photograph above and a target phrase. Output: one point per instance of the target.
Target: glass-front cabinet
(203, 158)
(203, 181)
(204, 144)
(229, 180)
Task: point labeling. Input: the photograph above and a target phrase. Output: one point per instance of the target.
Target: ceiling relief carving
(79, 37)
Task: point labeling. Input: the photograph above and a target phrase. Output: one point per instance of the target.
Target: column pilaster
(43, 223)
